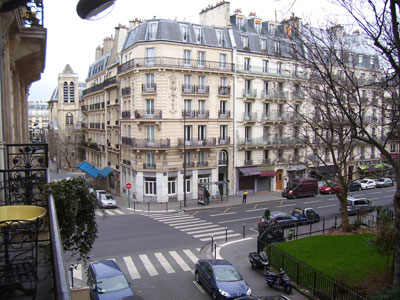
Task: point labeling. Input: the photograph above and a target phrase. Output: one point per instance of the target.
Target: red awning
(250, 171)
(267, 173)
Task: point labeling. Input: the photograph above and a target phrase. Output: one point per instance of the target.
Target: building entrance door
(279, 179)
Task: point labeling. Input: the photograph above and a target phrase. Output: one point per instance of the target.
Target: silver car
(107, 201)
(384, 182)
(355, 205)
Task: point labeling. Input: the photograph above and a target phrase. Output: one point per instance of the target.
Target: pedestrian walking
(244, 196)
(207, 196)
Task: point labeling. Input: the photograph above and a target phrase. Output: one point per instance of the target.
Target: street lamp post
(184, 157)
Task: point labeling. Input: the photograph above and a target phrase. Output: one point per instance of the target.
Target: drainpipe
(2, 133)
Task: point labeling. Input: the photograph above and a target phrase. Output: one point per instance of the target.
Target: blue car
(221, 279)
(107, 282)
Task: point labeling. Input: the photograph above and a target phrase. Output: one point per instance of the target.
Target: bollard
(72, 275)
(226, 234)
(323, 226)
(148, 206)
(134, 205)
(166, 206)
(215, 250)
(335, 221)
(244, 229)
(212, 243)
(180, 205)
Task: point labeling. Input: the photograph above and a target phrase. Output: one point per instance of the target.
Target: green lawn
(339, 256)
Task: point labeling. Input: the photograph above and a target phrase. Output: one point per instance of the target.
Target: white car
(98, 194)
(107, 201)
(383, 182)
(367, 184)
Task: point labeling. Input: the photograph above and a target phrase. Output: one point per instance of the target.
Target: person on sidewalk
(207, 196)
(244, 196)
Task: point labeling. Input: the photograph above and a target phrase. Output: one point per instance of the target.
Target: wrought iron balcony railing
(148, 114)
(146, 143)
(197, 142)
(224, 90)
(149, 88)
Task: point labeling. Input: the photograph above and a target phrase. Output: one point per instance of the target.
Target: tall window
(152, 30)
(266, 109)
(188, 184)
(220, 38)
(65, 92)
(202, 82)
(279, 67)
(247, 157)
(187, 57)
(150, 56)
(202, 106)
(223, 132)
(188, 106)
(247, 133)
(263, 45)
(189, 157)
(223, 107)
(266, 132)
(202, 132)
(171, 185)
(257, 26)
(71, 92)
(239, 22)
(245, 41)
(247, 64)
(202, 157)
(247, 86)
(150, 133)
(149, 81)
(201, 58)
(223, 81)
(247, 109)
(223, 158)
(197, 32)
(266, 156)
(265, 66)
(69, 119)
(150, 106)
(222, 61)
(188, 133)
(150, 187)
(277, 47)
(184, 33)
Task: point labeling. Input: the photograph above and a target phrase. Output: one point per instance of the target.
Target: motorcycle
(259, 261)
(280, 279)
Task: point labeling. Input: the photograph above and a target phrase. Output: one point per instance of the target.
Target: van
(301, 187)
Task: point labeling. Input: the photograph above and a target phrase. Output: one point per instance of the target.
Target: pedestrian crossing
(200, 229)
(150, 264)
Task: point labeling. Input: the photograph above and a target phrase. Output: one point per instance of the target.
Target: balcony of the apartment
(246, 142)
(224, 91)
(249, 118)
(148, 114)
(188, 114)
(32, 263)
(146, 143)
(175, 63)
(273, 94)
(96, 126)
(202, 90)
(100, 86)
(147, 165)
(149, 88)
(116, 102)
(96, 106)
(248, 162)
(126, 91)
(126, 114)
(275, 116)
(298, 95)
(127, 162)
(206, 142)
(222, 162)
(224, 114)
(266, 161)
(189, 164)
(250, 93)
(202, 164)
(84, 125)
(84, 108)
(224, 140)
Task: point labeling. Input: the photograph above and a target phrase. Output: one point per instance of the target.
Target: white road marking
(205, 230)
(180, 261)
(199, 227)
(286, 205)
(190, 254)
(192, 224)
(148, 265)
(243, 219)
(99, 213)
(195, 221)
(314, 201)
(109, 212)
(255, 209)
(163, 261)
(133, 272)
(219, 237)
(181, 221)
(199, 287)
(172, 219)
(327, 206)
(212, 233)
(223, 214)
(119, 211)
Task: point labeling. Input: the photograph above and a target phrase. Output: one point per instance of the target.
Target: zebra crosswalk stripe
(199, 226)
(99, 213)
(148, 265)
(119, 212)
(162, 219)
(110, 212)
(192, 225)
(167, 267)
(220, 237)
(212, 233)
(133, 272)
(190, 254)
(206, 230)
(183, 220)
(179, 261)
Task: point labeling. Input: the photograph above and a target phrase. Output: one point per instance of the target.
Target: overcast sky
(71, 40)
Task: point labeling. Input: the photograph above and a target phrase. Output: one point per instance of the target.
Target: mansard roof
(170, 30)
(99, 65)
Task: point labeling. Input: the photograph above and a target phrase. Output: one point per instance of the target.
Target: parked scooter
(259, 261)
(280, 279)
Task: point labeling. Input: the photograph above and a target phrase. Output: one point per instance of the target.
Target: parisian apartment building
(171, 106)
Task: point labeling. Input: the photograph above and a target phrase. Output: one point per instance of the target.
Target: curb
(207, 248)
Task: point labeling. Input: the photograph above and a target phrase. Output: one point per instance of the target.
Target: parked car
(367, 184)
(221, 279)
(280, 218)
(107, 281)
(384, 182)
(354, 186)
(98, 193)
(329, 188)
(354, 205)
(107, 201)
(301, 187)
(92, 191)
(277, 297)
(306, 215)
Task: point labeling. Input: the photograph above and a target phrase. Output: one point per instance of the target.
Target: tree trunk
(396, 202)
(345, 217)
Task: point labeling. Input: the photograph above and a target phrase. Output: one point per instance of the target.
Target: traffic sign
(128, 185)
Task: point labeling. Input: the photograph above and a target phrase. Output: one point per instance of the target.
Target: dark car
(329, 188)
(280, 218)
(301, 187)
(221, 279)
(354, 186)
(107, 282)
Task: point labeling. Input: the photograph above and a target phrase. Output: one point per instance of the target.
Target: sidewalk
(193, 205)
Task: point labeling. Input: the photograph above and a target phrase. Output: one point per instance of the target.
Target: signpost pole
(128, 186)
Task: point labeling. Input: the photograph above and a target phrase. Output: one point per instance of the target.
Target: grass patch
(344, 257)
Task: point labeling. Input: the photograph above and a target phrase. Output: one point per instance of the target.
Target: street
(157, 250)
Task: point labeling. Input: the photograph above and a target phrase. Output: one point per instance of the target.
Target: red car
(327, 188)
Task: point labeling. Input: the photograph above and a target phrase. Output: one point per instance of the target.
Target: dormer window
(245, 42)
(152, 30)
(263, 45)
(257, 26)
(239, 22)
(350, 57)
(184, 33)
(372, 61)
(197, 32)
(220, 38)
(277, 47)
(360, 59)
(271, 28)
